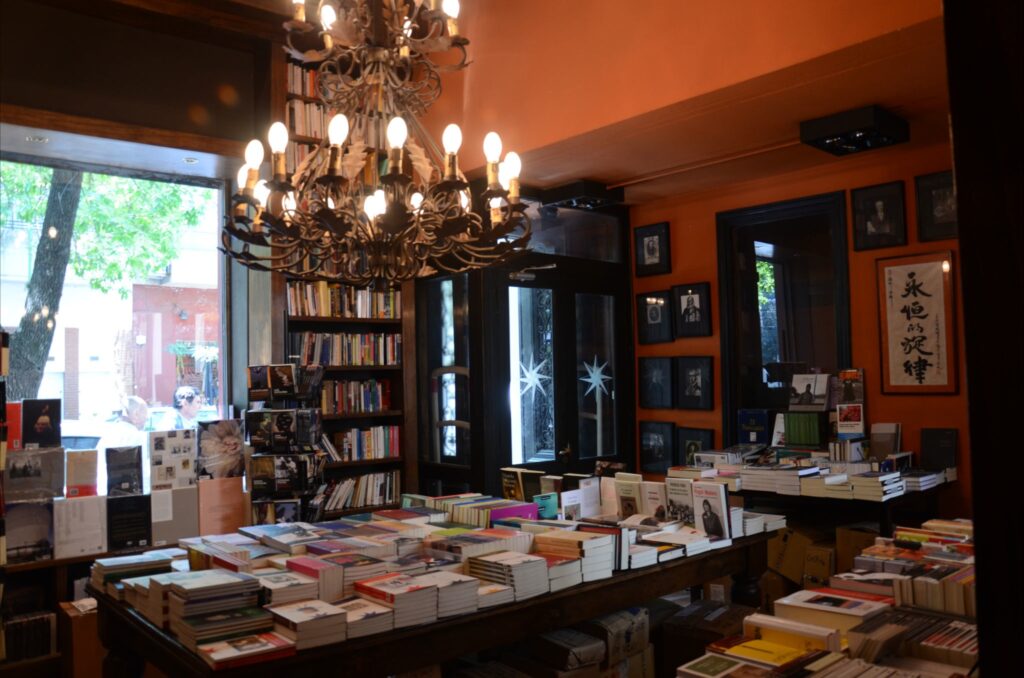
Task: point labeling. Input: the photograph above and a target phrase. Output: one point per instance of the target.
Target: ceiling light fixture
(377, 202)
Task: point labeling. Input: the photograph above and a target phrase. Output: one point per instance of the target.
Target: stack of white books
(772, 521)
(207, 628)
(414, 603)
(285, 586)
(736, 527)
(877, 486)
(309, 623)
(214, 591)
(365, 618)
(691, 540)
(357, 567)
(112, 570)
(526, 573)
(787, 481)
(595, 551)
(491, 594)
(563, 571)
(919, 480)
(456, 593)
(642, 556)
(753, 523)
(240, 651)
(155, 607)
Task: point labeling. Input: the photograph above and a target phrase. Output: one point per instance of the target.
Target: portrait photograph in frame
(936, 206)
(654, 317)
(656, 383)
(879, 216)
(917, 324)
(694, 383)
(656, 443)
(691, 309)
(690, 441)
(653, 252)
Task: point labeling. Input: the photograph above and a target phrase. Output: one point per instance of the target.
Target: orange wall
(694, 259)
(546, 71)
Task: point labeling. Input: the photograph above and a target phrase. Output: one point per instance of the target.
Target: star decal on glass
(532, 377)
(595, 377)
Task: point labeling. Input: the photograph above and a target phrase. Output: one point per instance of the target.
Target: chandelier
(377, 202)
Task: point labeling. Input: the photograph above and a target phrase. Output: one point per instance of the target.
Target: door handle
(565, 454)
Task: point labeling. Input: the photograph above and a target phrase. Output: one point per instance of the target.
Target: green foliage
(765, 283)
(126, 229)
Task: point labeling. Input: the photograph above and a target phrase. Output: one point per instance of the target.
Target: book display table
(132, 640)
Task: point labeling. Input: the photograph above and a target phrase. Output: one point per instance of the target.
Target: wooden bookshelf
(341, 320)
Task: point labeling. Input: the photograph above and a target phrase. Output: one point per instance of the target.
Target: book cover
(547, 505)
(29, 531)
(809, 393)
(259, 382)
(124, 470)
(572, 503)
(679, 495)
(262, 475)
(938, 448)
(282, 432)
(590, 497)
(79, 526)
(530, 480)
(172, 459)
(259, 426)
(80, 474)
(34, 473)
(40, 423)
(628, 494)
(282, 381)
(654, 500)
(754, 425)
(511, 486)
(711, 508)
(13, 413)
(175, 514)
(220, 449)
(129, 522)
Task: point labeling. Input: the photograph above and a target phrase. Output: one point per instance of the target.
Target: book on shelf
(172, 459)
(175, 514)
(80, 472)
(345, 349)
(129, 522)
(830, 610)
(40, 423)
(334, 300)
(356, 397)
(33, 540)
(374, 442)
(79, 526)
(35, 473)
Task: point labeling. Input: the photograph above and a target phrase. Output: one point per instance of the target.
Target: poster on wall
(915, 296)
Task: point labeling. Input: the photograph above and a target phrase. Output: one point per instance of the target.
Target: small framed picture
(690, 441)
(656, 445)
(936, 207)
(878, 216)
(654, 317)
(653, 254)
(656, 383)
(692, 309)
(694, 383)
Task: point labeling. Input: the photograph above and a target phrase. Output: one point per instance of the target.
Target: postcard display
(284, 429)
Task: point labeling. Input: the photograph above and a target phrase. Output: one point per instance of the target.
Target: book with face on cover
(712, 509)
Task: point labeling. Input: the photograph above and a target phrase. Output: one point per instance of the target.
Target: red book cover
(13, 426)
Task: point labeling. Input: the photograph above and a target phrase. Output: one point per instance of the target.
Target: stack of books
(479, 542)
(772, 521)
(309, 623)
(288, 537)
(209, 593)
(284, 586)
(877, 486)
(917, 634)
(641, 555)
(414, 603)
(691, 541)
(456, 593)
(596, 551)
(788, 481)
(831, 610)
(753, 523)
(367, 546)
(355, 567)
(526, 573)
(817, 486)
(330, 577)
(206, 628)
(918, 480)
(245, 650)
(492, 594)
(155, 605)
(106, 573)
(419, 563)
(365, 618)
(563, 571)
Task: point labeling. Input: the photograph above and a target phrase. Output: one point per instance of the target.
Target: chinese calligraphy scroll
(916, 308)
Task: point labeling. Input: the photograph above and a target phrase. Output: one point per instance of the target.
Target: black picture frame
(652, 248)
(936, 207)
(656, 446)
(656, 380)
(689, 441)
(691, 309)
(694, 383)
(654, 317)
(879, 216)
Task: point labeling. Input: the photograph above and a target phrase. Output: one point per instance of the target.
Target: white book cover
(609, 498)
(685, 537)
(172, 459)
(572, 504)
(712, 509)
(590, 496)
(679, 495)
(830, 602)
(79, 526)
(304, 611)
(653, 500)
(628, 493)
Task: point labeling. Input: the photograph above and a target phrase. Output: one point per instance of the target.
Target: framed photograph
(915, 303)
(694, 383)
(656, 383)
(653, 254)
(692, 309)
(878, 216)
(936, 207)
(690, 441)
(656, 442)
(654, 317)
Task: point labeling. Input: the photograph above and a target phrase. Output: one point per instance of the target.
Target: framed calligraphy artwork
(915, 302)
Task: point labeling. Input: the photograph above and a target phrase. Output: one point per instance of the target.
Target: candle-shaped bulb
(337, 129)
(278, 137)
(503, 176)
(416, 200)
(243, 174)
(451, 8)
(261, 193)
(327, 17)
(254, 154)
(397, 132)
(464, 200)
(492, 147)
(513, 165)
(451, 139)
(288, 202)
(299, 10)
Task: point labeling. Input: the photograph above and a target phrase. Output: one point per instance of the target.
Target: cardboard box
(819, 565)
(850, 541)
(719, 590)
(773, 587)
(79, 640)
(567, 649)
(624, 633)
(786, 552)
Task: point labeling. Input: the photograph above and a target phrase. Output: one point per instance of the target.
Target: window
(111, 290)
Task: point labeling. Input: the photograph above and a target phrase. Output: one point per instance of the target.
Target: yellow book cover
(765, 652)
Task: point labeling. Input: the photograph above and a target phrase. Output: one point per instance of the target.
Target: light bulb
(464, 200)
(492, 147)
(407, 28)
(504, 178)
(370, 207)
(513, 165)
(261, 192)
(451, 8)
(382, 202)
(243, 176)
(288, 202)
(278, 137)
(451, 139)
(327, 17)
(330, 202)
(253, 154)
(337, 129)
(416, 200)
(397, 132)
(495, 203)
